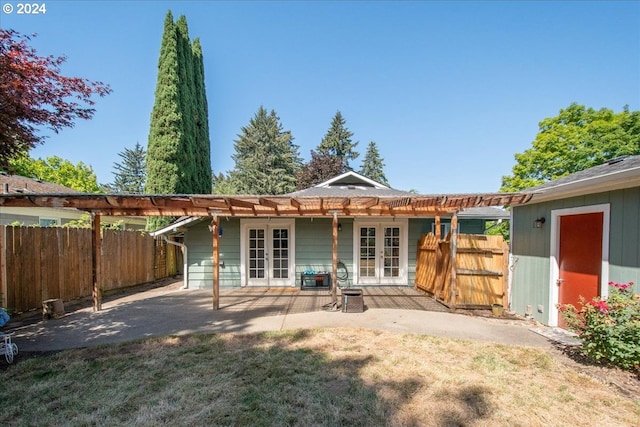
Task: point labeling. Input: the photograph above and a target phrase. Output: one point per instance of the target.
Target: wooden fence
(478, 278)
(38, 263)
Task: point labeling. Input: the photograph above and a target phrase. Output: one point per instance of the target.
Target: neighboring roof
(615, 174)
(16, 184)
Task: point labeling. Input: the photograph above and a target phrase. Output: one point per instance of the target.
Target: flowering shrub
(610, 329)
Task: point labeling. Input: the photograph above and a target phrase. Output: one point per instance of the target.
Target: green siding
(200, 248)
(313, 248)
(314, 245)
(531, 247)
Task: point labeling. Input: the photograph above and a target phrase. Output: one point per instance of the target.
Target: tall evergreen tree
(337, 141)
(178, 152)
(129, 174)
(266, 158)
(373, 165)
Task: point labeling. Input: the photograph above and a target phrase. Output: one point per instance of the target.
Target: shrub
(609, 328)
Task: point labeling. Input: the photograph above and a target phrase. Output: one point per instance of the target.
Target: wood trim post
(437, 228)
(215, 229)
(3, 266)
(334, 261)
(96, 260)
(454, 247)
(505, 275)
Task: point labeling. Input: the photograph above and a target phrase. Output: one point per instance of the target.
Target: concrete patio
(170, 310)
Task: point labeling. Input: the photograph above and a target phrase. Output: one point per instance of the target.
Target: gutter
(185, 271)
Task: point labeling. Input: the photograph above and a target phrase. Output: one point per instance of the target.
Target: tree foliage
(321, 167)
(577, 139)
(178, 151)
(129, 174)
(338, 142)
(266, 158)
(373, 165)
(34, 93)
(223, 184)
(57, 170)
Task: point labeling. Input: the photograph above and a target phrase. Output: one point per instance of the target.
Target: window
(49, 222)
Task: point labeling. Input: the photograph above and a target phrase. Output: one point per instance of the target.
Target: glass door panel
(280, 254)
(257, 267)
(391, 258)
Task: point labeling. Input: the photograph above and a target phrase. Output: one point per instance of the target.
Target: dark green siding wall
(531, 247)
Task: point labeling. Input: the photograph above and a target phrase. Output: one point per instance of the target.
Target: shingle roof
(611, 167)
(350, 184)
(21, 185)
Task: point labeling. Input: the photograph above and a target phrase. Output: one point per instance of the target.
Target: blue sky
(449, 91)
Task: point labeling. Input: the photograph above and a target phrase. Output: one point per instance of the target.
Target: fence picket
(40, 263)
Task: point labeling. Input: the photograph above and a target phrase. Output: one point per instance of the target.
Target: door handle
(559, 282)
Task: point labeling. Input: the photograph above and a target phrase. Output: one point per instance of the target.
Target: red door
(580, 258)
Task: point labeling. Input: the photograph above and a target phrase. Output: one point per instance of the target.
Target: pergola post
(334, 261)
(96, 260)
(215, 230)
(454, 247)
(437, 228)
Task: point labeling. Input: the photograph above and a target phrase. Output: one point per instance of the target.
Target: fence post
(505, 275)
(453, 289)
(95, 261)
(3, 266)
(215, 229)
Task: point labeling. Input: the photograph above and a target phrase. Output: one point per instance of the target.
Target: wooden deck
(277, 301)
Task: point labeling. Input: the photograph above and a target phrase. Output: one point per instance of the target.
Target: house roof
(16, 184)
(615, 174)
(350, 184)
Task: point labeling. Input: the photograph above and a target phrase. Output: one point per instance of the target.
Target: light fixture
(538, 223)
(339, 227)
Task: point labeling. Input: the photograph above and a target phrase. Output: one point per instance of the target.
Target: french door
(381, 253)
(268, 254)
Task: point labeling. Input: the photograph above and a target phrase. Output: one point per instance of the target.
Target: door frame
(268, 223)
(554, 266)
(403, 224)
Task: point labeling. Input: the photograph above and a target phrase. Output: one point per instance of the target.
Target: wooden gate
(479, 265)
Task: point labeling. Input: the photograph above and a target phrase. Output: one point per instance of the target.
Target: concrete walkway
(170, 310)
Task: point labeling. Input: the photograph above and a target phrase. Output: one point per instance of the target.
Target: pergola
(216, 206)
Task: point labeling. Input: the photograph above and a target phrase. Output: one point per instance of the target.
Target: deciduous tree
(321, 167)
(34, 93)
(577, 139)
(57, 170)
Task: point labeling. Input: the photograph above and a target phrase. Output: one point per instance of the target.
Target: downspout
(185, 271)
